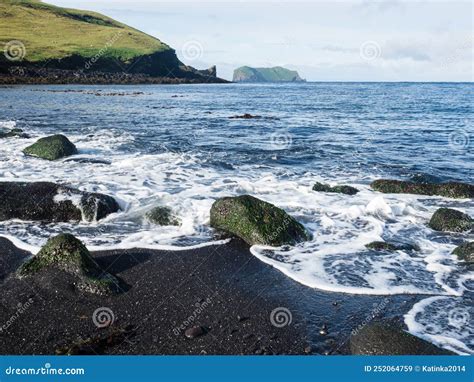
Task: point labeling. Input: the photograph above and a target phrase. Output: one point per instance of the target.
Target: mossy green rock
(449, 220)
(389, 247)
(66, 253)
(448, 190)
(162, 216)
(256, 221)
(343, 189)
(465, 252)
(51, 148)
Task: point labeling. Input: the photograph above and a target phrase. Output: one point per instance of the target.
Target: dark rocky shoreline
(26, 75)
(213, 300)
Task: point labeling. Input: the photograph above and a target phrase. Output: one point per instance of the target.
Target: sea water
(176, 146)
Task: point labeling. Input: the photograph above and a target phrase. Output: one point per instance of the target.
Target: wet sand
(222, 289)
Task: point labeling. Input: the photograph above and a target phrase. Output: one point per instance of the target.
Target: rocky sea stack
(50, 202)
(66, 253)
(449, 190)
(256, 221)
(385, 339)
(275, 74)
(449, 220)
(51, 148)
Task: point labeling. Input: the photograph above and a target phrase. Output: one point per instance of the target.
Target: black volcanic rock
(50, 202)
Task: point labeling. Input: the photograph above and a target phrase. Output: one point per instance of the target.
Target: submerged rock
(245, 116)
(68, 254)
(465, 252)
(45, 201)
(256, 221)
(162, 216)
(389, 247)
(51, 148)
(449, 220)
(448, 190)
(384, 339)
(14, 133)
(343, 189)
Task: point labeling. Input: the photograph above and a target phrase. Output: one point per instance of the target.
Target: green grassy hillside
(49, 32)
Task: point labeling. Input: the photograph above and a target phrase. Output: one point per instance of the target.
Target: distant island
(44, 43)
(275, 74)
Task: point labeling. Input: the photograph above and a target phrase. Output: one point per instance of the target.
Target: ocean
(177, 146)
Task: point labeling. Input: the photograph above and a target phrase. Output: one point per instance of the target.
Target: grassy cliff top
(50, 32)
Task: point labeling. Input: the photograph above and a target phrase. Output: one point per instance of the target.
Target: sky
(355, 40)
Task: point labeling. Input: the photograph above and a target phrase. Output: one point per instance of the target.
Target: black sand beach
(222, 289)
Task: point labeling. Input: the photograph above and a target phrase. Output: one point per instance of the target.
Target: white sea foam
(334, 260)
(444, 321)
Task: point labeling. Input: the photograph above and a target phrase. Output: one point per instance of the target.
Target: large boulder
(449, 220)
(256, 221)
(448, 190)
(51, 148)
(343, 189)
(50, 202)
(384, 339)
(162, 216)
(66, 253)
(465, 252)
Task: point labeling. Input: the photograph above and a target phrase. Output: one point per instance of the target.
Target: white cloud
(419, 41)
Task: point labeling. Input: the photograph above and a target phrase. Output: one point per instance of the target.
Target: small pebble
(194, 332)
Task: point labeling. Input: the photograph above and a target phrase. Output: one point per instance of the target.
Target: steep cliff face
(36, 35)
(275, 74)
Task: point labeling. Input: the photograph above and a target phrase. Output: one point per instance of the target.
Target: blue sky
(325, 41)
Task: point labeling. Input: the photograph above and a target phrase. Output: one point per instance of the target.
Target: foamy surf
(445, 321)
(184, 153)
